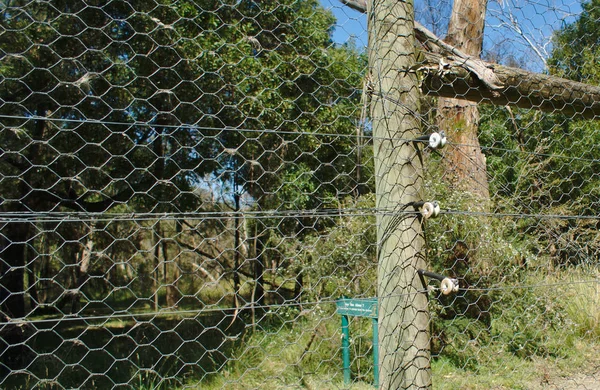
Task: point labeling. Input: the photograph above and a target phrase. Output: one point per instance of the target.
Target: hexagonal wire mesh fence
(188, 188)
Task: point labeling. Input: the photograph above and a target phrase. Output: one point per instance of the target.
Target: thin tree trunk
(165, 260)
(156, 278)
(236, 247)
(32, 285)
(259, 270)
(28, 281)
(13, 255)
(258, 265)
(171, 278)
(464, 163)
(81, 273)
(404, 355)
(258, 292)
(44, 269)
(158, 147)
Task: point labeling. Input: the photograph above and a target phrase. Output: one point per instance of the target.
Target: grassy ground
(543, 336)
(495, 368)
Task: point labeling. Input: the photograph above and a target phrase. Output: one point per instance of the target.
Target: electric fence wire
(430, 126)
(57, 217)
(274, 307)
(362, 136)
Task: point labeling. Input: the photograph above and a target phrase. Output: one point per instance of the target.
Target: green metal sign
(358, 307)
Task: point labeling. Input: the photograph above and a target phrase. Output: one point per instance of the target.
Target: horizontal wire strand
(153, 314)
(296, 133)
(9, 217)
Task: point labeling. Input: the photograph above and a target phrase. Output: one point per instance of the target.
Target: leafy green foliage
(134, 106)
(172, 107)
(346, 265)
(183, 71)
(576, 47)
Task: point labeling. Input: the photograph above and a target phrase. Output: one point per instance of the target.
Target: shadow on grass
(161, 352)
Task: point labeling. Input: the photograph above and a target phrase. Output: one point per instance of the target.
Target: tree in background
(576, 47)
(554, 169)
(464, 163)
(127, 106)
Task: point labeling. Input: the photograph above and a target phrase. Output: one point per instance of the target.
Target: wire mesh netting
(242, 194)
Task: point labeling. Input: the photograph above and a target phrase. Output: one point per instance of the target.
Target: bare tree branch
(358, 5)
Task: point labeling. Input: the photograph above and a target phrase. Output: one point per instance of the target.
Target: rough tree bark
(236, 246)
(464, 163)
(403, 315)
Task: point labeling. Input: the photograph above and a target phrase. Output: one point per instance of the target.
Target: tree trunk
(171, 278)
(158, 169)
(236, 247)
(464, 163)
(404, 355)
(13, 253)
(72, 301)
(259, 271)
(156, 279)
(43, 267)
(32, 286)
(258, 267)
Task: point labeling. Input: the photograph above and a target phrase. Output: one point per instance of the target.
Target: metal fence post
(346, 349)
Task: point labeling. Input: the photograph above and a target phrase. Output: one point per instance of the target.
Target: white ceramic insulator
(435, 139)
(449, 286)
(427, 210)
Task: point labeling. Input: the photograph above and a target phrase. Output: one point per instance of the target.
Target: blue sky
(350, 23)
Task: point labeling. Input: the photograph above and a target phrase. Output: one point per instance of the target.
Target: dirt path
(579, 376)
(589, 381)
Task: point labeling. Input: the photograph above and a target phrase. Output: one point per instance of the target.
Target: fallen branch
(449, 53)
(205, 272)
(447, 72)
(520, 88)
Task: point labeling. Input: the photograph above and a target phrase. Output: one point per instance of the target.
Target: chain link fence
(241, 194)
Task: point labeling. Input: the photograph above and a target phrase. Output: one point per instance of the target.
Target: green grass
(535, 335)
(301, 354)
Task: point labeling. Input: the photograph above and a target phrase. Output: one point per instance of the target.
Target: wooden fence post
(404, 356)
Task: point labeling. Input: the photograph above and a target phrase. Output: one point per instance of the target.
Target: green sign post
(358, 307)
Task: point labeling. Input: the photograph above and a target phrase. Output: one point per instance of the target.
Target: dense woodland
(169, 109)
(184, 154)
